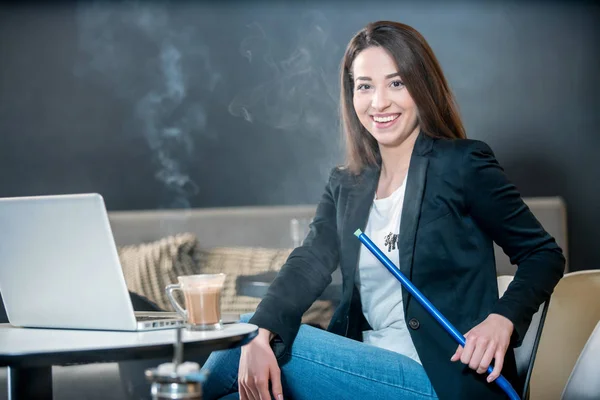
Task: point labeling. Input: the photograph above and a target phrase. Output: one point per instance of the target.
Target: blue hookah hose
(456, 335)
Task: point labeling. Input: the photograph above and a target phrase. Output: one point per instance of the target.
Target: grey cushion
(552, 214)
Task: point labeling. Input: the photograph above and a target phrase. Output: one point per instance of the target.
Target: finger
(486, 360)
(498, 364)
(480, 348)
(459, 349)
(276, 387)
(456, 354)
(467, 352)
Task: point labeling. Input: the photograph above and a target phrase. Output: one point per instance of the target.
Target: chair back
(573, 312)
(525, 354)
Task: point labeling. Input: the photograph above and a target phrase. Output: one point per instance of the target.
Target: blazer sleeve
(303, 277)
(497, 207)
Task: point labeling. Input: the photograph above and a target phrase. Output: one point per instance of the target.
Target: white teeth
(386, 119)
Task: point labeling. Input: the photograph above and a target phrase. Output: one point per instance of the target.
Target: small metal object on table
(177, 380)
(30, 353)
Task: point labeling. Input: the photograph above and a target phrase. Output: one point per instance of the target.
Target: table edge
(92, 356)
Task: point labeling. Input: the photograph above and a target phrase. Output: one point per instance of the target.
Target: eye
(397, 84)
(363, 86)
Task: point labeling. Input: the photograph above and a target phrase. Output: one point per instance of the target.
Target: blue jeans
(322, 365)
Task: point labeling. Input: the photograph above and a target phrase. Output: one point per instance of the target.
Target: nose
(380, 100)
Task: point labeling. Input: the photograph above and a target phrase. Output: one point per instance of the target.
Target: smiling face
(381, 101)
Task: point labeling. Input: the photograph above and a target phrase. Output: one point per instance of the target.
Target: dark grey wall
(208, 104)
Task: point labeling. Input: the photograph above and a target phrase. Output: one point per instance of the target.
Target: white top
(22, 341)
(380, 291)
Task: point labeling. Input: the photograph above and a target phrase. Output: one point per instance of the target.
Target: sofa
(245, 240)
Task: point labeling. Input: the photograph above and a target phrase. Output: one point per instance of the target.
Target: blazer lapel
(358, 206)
(411, 209)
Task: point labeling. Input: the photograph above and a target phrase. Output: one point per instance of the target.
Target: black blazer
(457, 202)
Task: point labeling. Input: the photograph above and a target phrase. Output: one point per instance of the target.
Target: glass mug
(202, 294)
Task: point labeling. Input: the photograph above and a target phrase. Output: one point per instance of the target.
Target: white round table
(30, 353)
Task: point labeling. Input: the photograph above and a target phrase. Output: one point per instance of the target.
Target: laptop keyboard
(143, 318)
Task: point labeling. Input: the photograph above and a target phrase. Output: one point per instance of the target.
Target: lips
(382, 118)
(382, 121)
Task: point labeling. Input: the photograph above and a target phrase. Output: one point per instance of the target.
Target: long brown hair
(421, 74)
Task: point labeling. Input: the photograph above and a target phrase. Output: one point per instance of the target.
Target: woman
(434, 202)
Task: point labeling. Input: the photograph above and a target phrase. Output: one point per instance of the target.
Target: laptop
(59, 267)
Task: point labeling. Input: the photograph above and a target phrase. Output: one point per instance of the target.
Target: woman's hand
(258, 367)
(486, 341)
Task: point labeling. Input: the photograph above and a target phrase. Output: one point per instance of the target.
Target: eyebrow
(366, 78)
